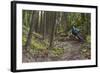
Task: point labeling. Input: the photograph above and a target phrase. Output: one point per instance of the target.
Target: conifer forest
(55, 36)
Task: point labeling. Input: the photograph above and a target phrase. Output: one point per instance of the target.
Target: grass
(57, 52)
(37, 44)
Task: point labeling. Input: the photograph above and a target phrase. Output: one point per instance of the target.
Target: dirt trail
(71, 52)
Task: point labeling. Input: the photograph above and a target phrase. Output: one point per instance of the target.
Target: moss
(88, 39)
(86, 50)
(23, 40)
(37, 44)
(57, 52)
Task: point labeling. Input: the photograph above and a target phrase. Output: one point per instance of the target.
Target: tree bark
(53, 30)
(33, 22)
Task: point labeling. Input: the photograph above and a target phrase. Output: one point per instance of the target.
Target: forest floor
(71, 51)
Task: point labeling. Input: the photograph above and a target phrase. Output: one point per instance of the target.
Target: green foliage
(37, 44)
(26, 15)
(86, 50)
(88, 39)
(57, 52)
(60, 29)
(23, 40)
(43, 34)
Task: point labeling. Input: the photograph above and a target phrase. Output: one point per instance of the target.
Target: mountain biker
(76, 32)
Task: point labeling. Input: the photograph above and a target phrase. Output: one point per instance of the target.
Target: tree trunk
(33, 22)
(44, 26)
(53, 29)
